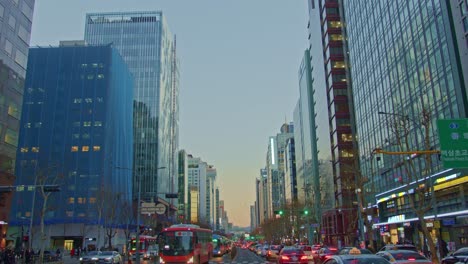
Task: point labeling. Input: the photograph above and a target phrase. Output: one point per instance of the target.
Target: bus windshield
(176, 243)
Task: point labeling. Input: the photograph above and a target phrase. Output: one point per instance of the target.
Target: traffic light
(279, 212)
(51, 188)
(305, 212)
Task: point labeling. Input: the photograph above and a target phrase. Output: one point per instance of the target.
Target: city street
(243, 256)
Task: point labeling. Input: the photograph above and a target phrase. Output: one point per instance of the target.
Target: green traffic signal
(306, 212)
(281, 212)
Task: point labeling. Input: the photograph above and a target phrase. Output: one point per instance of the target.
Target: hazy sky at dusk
(238, 82)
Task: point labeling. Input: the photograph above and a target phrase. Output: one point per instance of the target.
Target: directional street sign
(148, 208)
(453, 136)
(160, 208)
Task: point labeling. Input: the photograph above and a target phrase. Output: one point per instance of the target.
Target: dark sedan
(292, 255)
(460, 255)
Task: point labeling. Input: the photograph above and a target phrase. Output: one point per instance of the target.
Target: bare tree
(128, 217)
(44, 177)
(421, 197)
(112, 216)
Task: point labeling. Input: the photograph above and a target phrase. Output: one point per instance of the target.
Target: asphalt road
(244, 256)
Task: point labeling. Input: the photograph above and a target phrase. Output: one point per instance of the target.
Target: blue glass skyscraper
(148, 47)
(76, 131)
(405, 64)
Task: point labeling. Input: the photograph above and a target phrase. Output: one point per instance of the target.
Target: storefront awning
(457, 213)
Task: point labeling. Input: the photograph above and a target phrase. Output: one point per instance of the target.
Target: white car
(307, 251)
(264, 250)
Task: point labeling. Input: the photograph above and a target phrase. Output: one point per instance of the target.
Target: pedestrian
(57, 253)
(443, 248)
(72, 252)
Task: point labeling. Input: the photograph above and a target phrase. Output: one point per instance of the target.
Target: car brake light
(269, 252)
(304, 258)
(412, 259)
(284, 257)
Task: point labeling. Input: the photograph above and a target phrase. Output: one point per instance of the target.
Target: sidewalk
(67, 259)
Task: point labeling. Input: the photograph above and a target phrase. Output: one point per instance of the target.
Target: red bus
(185, 244)
(147, 247)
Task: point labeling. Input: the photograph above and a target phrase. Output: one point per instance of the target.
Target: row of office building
(369, 65)
(99, 118)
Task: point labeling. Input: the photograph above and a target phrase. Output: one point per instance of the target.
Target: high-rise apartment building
(76, 132)
(305, 113)
(211, 195)
(149, 49)
(262, 196)
(183, 191)
(339, 224)
(15, 33)
(290, 183)
(405, 63)
(275, 168)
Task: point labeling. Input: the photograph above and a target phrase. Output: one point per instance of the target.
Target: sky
(238, 76)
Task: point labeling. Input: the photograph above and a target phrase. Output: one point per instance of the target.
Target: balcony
(332, 17)
(331, 31)
(331, 4)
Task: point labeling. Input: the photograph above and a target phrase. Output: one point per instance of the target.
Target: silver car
(90, 257)
(110, 257)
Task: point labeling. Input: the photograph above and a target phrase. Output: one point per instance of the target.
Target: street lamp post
(137, 237)
(361, 225)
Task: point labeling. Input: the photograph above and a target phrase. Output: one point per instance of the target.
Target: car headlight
(190, 260)
(94, 258)
(81, 259)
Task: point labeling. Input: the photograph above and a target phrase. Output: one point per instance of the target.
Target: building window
(8, 47)
(35, 149)
(24, 150)
(69, 213)
(81, 200)
(11, 137)
(100, 76)
(84, 65)
(88, 100)
(85, 148)
(90, 76)
(76, 124)
(2, 11)
(71, 200)
(27, 125)
(23, 34)
(38, 124)
(77, 101)
(92, 200)
(74, 149)
(95, 65)
(86, 136)
(76, 136)
(27, 11)
(13, 110)
(99, 99)
(87, 123)
(97, 123)
(96, 148)
(12, 22)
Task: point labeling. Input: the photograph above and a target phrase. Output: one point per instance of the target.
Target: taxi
(355, 257)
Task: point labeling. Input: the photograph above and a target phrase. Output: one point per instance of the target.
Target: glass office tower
(15, 32)
(148, 47)
(76, 131)
(403, 62)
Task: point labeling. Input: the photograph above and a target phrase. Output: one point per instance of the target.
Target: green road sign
(453, 136)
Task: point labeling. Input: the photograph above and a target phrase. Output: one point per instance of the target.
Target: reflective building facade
(404, 62)
(148, 47)
(76, 132)
(15, 33)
